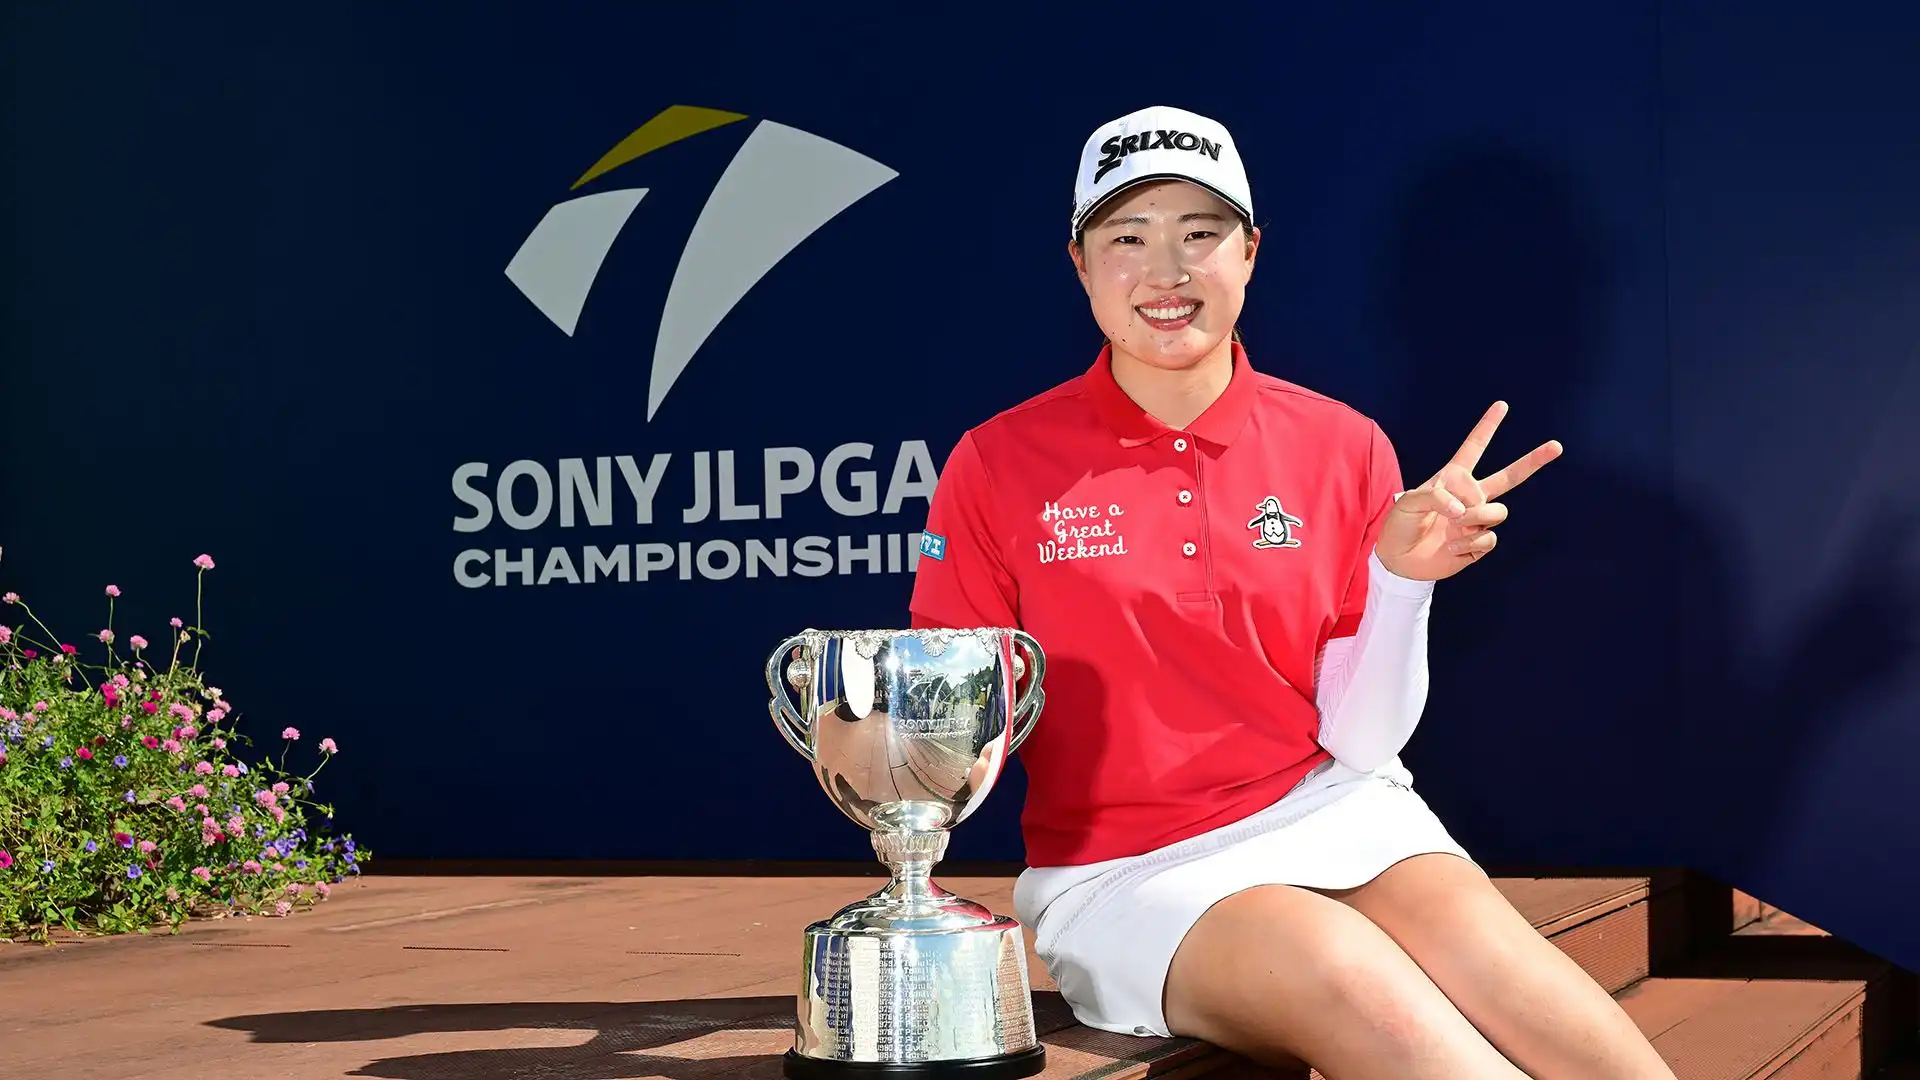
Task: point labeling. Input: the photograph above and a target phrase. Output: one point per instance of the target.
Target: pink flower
(146, 847)
(149, 708)
(202, 873)
(70, 650)
(199, 791)
(29, 653)
(179, 710)
(203, 768)
(106, 636)
(236, 825)
(83, 754)
(280, 788)
(216, 715)
(41, 706)
(279, 813)
(171, 746)
(201, 809)
(179, 804)
(137, 641)
(6, 860)
(175, 622)
(186, 731)
(229, 771)
(173, 895)
(322, 888)
(250, 866)
(6, 634)
(113, 590)
(151, 742)
(281, 908)
(123, 839)
(204, 562)
(219, 743)
(11, 598)
(110, 694)
(327, 746)
(3, 756)
(265, 798)
(297, 888)
(126, 722)
(290, 734)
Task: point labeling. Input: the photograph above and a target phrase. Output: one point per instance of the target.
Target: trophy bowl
(907, 732)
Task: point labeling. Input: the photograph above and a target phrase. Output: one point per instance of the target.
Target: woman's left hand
(1441, 527)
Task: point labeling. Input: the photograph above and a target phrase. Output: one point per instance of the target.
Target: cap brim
(1080, 222)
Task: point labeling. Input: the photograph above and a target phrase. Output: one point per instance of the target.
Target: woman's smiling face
(1165, 266)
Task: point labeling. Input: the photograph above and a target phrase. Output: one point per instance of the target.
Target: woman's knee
(1277, 964)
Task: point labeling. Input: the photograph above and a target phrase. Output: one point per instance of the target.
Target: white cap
(1159, 142)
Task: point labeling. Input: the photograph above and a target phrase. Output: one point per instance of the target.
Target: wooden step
(692, 977)
(1779, 998)
(1747, 1029)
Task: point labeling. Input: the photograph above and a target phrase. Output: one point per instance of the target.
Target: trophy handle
(786, 716)
(1027, 709)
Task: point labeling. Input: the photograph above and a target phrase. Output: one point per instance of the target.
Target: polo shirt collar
(1219, 424)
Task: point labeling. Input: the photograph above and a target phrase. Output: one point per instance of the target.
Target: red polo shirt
(1182, 583)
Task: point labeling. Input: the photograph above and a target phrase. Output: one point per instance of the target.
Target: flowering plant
(124, 801)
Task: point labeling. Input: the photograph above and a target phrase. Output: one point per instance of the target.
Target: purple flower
(47, 867)
(133, 870)
(91, 847)
(128, 796)
(120, 760)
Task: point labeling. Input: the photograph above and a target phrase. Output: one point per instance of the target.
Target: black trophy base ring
(1016, 1066)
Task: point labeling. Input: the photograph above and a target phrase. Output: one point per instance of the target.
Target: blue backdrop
(258, 303)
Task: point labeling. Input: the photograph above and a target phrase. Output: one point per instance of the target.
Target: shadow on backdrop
(1566, 725)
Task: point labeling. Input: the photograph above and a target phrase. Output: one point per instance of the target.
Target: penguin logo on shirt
(1275, 524)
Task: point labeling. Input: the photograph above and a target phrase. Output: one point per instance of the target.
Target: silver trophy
(907, 731)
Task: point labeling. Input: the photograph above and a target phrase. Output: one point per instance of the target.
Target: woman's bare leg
(1529, 998)
(1276, 972)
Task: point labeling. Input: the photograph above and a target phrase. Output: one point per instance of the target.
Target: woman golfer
(1232, 586)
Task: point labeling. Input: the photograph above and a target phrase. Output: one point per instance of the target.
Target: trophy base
(922, 987)
(1015, 1066)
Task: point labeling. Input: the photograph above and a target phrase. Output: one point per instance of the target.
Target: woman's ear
(1079, 256)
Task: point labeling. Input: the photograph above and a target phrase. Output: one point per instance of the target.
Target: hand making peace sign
(1439, 528)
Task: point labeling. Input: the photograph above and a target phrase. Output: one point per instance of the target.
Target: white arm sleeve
(1372, 687)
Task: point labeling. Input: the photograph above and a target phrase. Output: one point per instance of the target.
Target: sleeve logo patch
(933, 546)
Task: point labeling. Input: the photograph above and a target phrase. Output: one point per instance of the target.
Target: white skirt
(1108, 931)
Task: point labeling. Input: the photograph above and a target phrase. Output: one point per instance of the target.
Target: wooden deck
(692, 978)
